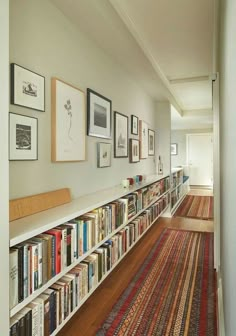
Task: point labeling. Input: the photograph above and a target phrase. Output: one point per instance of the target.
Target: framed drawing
(133, 150)
(103, 155)
(68, 122)
(151, 142)
(27, 88)
(143, 136)
(121, 135)
(134, 124)
(98, 115)
(174, 149)
(23, 137)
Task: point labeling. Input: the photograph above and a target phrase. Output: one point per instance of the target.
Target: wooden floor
(91, 315)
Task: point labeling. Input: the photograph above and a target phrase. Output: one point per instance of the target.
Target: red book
(58, 236)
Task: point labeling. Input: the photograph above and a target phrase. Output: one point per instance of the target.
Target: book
(27, 312)
(52, 309)
(47, 275)
(13, 277)
(40, 302)
(57, 257)
(14, 326)
(35, 318)
(46, 311)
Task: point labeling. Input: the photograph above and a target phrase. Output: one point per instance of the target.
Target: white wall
(4, 192)
(228, 160)
(179, 137)
(43, 40)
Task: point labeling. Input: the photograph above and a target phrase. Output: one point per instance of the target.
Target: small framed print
(98, 115)
(121, 135)
(143, 136)
(23, 137)
(27, 88)
(133, 150)
(151, 142)
(103, 155)
(174, 149)
(134, 125)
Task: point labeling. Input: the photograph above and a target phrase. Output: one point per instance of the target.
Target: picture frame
(174, 149)
(68, 122)
(134, 150)
(99, 110)
(151, 142)
(120, 135)
(27, 88)
(103, 154)
(143, 137)
(134, 124)
(23, 137)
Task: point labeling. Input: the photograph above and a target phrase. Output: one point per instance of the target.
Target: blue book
(85, 238)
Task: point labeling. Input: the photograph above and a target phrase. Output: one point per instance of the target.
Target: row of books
(45, 313)
(176, 178)
(34, 262)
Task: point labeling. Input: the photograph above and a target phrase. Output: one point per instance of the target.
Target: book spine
(25, 274)
(13, 278)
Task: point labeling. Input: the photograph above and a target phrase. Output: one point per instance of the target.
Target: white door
(200, 159)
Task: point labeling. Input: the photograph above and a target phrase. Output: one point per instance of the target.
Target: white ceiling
(166, 45)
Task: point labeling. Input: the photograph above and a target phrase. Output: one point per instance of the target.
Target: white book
(74, 239)
(35, 318)
(40, 303)
(39, 242)
(13, 277)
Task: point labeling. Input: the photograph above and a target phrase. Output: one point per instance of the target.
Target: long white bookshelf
(28, 227)
(179, 188)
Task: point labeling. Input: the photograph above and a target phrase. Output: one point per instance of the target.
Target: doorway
(200, 159)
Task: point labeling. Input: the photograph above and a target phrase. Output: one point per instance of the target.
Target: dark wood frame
(132, 124)
(89, 131)
(131, 160)
(98, 152)
(127, 135)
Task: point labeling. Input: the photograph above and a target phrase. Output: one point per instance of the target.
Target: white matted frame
(151, 142)
(120, 135)
(23, 137)
(143, 136)
(103, 154)
(27, 88)
(98, 115)
(174, 149)
(68, 122)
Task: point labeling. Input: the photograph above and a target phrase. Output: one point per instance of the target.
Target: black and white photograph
(27, 88)
(134, 125)
(23, 137)
(121, 135)
(98, 115)
(133, 150)
(68, 122)
(174, 149)
(151, 142)
(103, 155)
(143, 136)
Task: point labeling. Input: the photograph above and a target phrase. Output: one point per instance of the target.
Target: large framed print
(27, 88)
(68, 122)
(103, 154)
(121, 135)
(151, 142)
(143, 136)
(133, 150)
(23, 137)
(98, 115)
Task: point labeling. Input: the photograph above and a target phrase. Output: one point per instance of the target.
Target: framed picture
(23, 137)
(68, 122)
(103, 155)
(121, 135)
(174, 149)
(134, 124)
(98, 115)
(133, 150)
(151, 142)
(27, 88)
(143, 136)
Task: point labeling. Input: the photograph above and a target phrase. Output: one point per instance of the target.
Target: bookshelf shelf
(154, 197)
(179, 188)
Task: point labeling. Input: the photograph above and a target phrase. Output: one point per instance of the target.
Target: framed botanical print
(133, 150)
(120, 135)
(27, 88)
(103, 154)
(143, 136)
(134, 125)
(151, 142)
(23, 137)
(98, 115)
(68, 122)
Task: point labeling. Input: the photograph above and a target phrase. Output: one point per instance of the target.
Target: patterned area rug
(173, 293)
(200, 207)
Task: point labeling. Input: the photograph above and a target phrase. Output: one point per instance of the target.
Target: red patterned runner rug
(200, 207)
(173, 293)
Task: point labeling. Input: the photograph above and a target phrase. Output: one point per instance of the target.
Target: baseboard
(221, 321)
